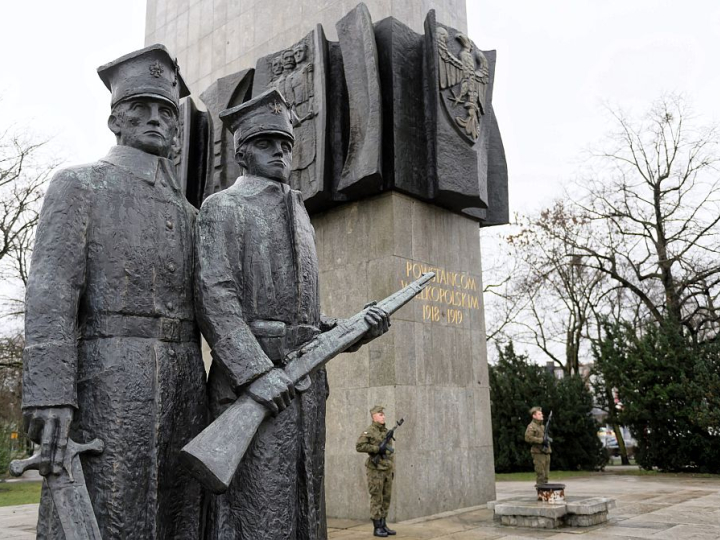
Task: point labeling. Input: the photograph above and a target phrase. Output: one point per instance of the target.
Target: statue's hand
(275, 390)
(379, 322)
(50, 428)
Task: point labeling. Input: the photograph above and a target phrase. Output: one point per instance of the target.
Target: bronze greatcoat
(110, 330)
(257, 299)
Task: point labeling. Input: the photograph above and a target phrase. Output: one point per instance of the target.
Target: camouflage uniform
(541, 456)
(379, 476)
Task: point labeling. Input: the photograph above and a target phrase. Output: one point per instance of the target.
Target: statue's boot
(388, 530)
(379, 529)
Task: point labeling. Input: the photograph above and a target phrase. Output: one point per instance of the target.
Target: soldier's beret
(267, 114)
(535, 409)
(149, 72)
(377, 409)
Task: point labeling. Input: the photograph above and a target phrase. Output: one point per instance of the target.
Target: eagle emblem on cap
(156, 69)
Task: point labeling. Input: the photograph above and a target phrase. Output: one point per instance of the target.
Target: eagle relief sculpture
(463, 82)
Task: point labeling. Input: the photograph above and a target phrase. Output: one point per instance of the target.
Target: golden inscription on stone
(455, 292)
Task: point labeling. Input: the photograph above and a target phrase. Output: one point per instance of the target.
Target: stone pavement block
(594, 535)
(640, 508)
(679, 516)
(334, 523)
(642, 523)
(707, 500)
(686, 532)
(524, 535)
(18, 522)
(586, 520)
(536, 522)
(10, 535)
(530, 508)
(476, 534)
(590, 506)
(616, 531)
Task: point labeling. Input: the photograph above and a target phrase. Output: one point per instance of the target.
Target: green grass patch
(556, 476)
(530, 476)
(14, 493)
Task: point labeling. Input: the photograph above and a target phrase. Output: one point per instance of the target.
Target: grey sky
(557, 61)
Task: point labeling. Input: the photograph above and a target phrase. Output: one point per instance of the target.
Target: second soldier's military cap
(535, 409)
(149, 72)
(377, 409)
(266, 114)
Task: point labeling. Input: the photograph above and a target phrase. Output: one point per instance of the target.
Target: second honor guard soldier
(535, 434)
(380, 469)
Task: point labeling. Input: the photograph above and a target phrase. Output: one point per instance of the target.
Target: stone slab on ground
(644, 511)
(574, 512)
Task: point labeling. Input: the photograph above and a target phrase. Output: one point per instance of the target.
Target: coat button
(170, 305)
(171, 353)
(169, 225)
(171, 267)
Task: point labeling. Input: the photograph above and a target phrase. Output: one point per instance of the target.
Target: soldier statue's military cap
(149, 72)
(266, 114)
(377, 409)
(535, 409)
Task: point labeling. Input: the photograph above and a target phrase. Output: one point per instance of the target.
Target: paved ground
(662, 509)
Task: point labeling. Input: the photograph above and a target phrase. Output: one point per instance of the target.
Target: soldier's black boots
(387, 529)
(379, 529)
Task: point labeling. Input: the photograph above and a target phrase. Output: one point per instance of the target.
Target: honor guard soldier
(535, 435)
(380, 466)
(112, 350)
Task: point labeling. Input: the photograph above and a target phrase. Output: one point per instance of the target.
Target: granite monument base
(431, 369)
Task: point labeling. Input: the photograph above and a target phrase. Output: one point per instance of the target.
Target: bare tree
(653, 210)
(24, 171)
(501, 306)
(555, 297)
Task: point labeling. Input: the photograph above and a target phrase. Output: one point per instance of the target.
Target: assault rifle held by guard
(546, 438)
(214, 455)
(384, 448)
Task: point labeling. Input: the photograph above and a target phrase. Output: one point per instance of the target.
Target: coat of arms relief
(463, 78)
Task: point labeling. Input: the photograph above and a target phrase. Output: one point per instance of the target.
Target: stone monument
(399, 161)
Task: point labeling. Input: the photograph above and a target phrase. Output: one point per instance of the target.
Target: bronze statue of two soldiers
(120, 274)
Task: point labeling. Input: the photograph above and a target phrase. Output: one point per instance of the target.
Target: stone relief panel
(299, 74)
(384, 108)
(463, 79)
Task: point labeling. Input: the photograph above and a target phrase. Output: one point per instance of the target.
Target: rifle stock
(215, 454)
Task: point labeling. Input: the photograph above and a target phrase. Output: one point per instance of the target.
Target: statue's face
(277, 65)
(299, 51)
(288, 59)
(269, 156)
(146, 124)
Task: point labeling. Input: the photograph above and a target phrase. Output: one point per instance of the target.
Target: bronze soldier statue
(535, 435)
(111, 342)
(257, 301)
(380, 467)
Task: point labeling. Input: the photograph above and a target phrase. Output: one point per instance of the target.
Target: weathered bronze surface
(384, 108)
(112, 347)
(258, 301)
